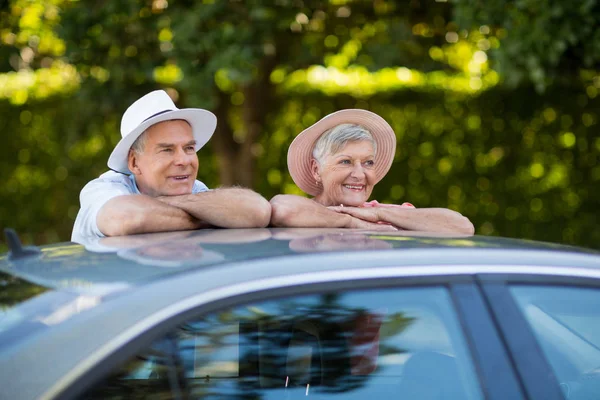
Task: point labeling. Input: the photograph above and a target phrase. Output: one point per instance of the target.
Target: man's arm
(225, 207)
(413, 219)
(138, 213)
(299, 212)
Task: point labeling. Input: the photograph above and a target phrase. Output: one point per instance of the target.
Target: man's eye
(190, 148)
(345, 162)
(166, 150)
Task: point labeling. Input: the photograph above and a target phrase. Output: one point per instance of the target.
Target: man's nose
(181, 157)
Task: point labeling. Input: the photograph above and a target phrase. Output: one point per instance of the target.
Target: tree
(517, 162)
(543, 41)
(229, 56)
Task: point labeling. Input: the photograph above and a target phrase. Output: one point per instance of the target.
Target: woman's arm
(299, 212)
(413, 219)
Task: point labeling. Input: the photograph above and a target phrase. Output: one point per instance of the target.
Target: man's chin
(177, 192)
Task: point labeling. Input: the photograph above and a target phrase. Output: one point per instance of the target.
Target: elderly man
(152, 186)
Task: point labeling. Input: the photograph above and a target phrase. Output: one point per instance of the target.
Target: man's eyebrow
(166, 145)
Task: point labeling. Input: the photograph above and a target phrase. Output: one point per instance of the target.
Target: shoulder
(110, 181)
(111, 177)
(199, 187)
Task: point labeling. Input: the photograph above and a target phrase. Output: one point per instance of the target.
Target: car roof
(110, 264)
(111, 290)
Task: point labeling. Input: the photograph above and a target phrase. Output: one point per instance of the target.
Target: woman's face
(348, 176)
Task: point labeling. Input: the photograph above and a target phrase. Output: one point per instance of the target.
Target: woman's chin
(352, 201)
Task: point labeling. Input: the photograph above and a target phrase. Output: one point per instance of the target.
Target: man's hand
(224, 207)
(133, 214)
(170, 200)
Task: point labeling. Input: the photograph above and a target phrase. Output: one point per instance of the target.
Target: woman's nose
(358, 170)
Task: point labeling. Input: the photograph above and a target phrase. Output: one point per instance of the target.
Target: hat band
(154, 115)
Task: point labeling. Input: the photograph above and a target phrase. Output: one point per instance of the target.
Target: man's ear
(132, 162)
(314, 169)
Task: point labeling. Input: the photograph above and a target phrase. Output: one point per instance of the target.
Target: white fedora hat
(151, 109)
(300, 151)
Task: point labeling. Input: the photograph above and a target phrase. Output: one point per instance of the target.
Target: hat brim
(203, 125)
(300, 152)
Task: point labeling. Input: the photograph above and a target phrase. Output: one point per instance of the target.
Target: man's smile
(180, 178)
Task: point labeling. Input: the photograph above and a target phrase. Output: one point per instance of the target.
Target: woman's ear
(132, 162)
(314, 168)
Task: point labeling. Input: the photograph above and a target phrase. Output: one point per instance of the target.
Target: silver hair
(334, 139)
(140, 143)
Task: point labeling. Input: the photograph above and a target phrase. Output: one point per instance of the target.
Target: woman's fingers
(368, 214)
(362, 224)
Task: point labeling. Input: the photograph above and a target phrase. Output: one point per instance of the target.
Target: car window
(355, 345)
(566, 323)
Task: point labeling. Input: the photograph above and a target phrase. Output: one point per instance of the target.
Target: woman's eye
(190, 148)
(345, 162)
(370, 163)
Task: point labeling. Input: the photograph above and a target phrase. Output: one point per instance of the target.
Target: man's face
(167, 165)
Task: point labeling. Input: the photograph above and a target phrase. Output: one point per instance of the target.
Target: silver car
(299, 313)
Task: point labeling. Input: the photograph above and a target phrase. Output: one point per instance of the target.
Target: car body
(291, 313)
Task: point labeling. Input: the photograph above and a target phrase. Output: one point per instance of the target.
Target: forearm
(132, 214)
(226, 208)
(299, 212)
(427, 219)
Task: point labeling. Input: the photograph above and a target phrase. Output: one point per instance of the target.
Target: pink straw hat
(300, 152)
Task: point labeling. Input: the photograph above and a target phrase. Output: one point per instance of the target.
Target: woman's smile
(354, 188)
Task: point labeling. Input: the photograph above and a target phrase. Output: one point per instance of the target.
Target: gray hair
(334, 139)
(140, 143)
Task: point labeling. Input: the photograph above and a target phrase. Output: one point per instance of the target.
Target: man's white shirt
(97, 193)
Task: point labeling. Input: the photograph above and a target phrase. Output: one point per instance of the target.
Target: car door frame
(539, 382)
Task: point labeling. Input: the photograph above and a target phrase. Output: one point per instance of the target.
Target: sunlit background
(495, 104)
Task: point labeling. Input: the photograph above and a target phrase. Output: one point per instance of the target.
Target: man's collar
(135, 188)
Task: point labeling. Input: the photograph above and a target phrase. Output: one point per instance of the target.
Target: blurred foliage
(15, 291)
(495, 118)
(543, 41)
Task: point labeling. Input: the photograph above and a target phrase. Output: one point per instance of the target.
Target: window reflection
(372, 344)
(566, 322)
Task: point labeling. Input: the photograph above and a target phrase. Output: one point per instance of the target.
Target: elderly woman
(338, 160)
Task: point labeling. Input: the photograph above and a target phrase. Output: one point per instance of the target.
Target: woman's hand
(357, 223)
(364, 218)
(440, 220)
(366, 214)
